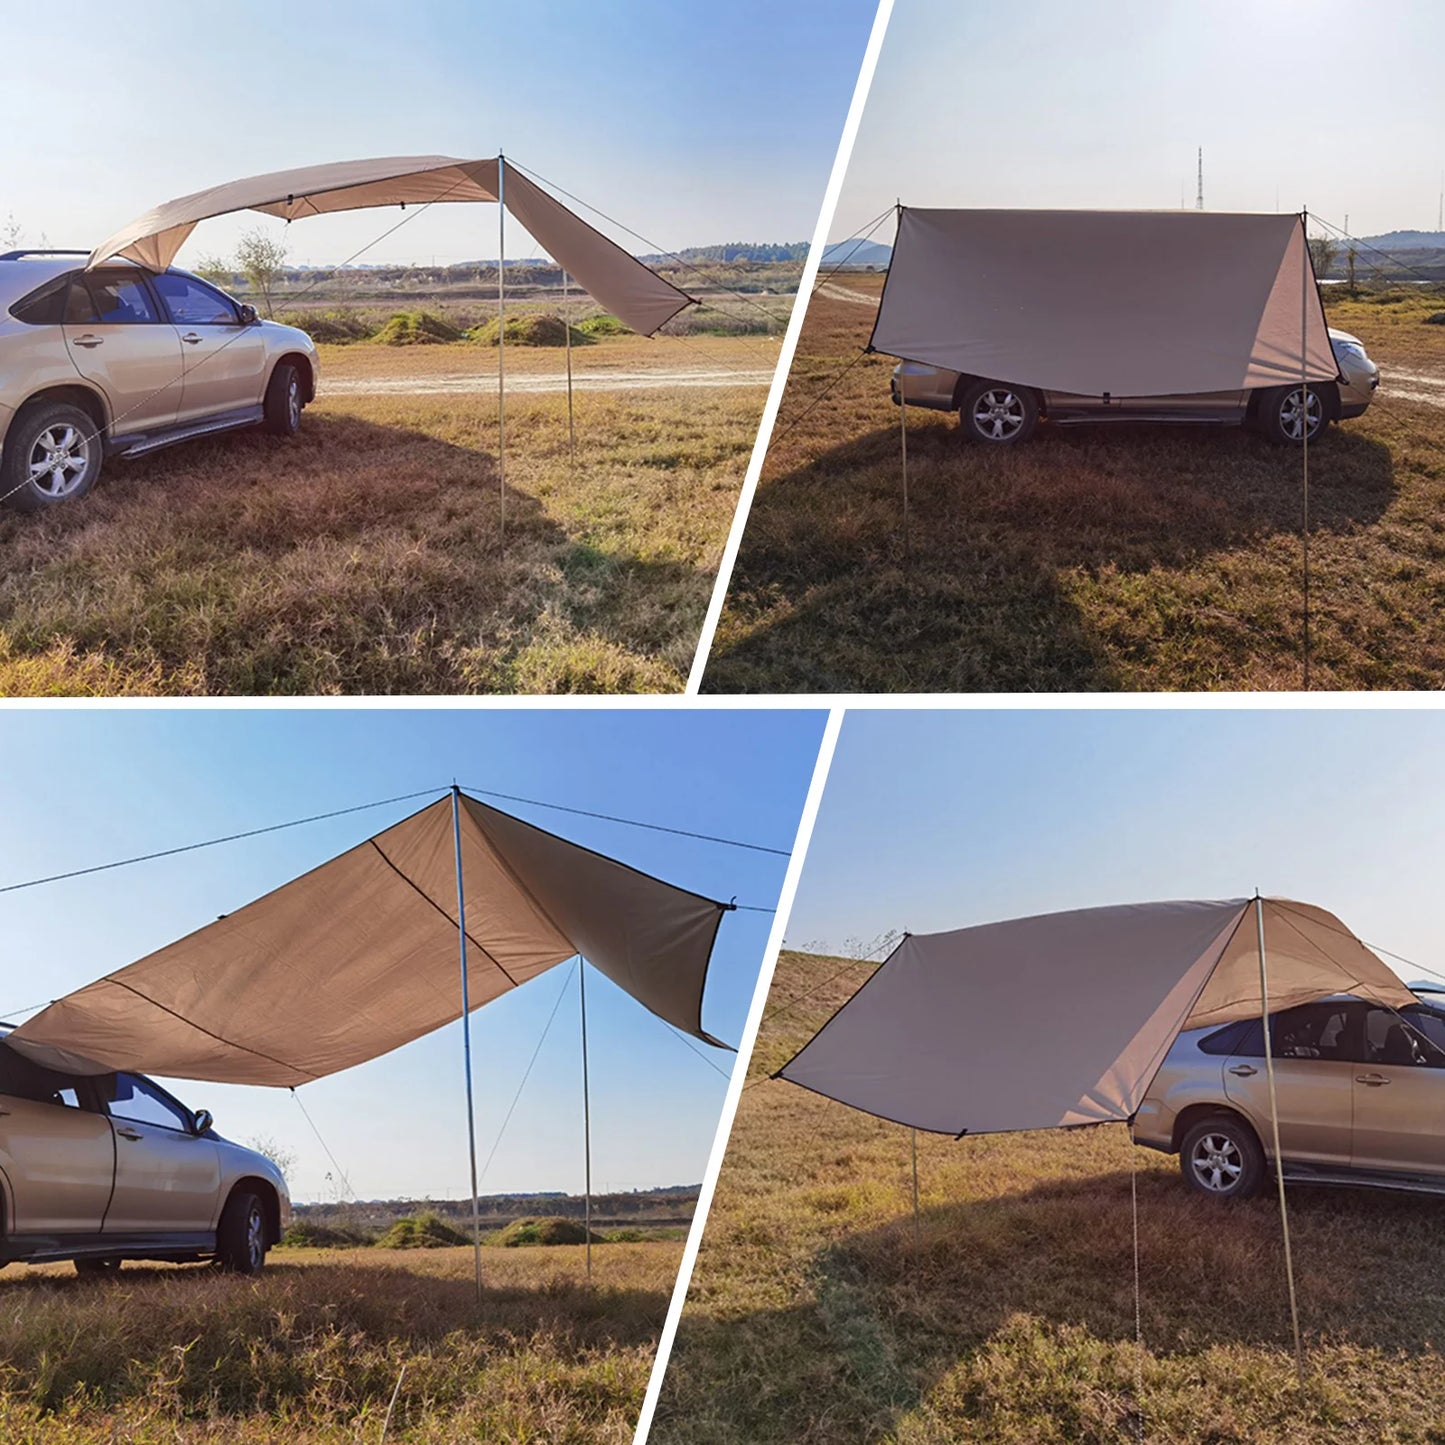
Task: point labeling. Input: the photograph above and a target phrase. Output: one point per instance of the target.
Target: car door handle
(1373, 1080)
(89, 341)
(1245, 1071)
(191, 338)
(129, 1134)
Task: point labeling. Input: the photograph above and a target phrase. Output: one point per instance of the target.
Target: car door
(167, 1178)
(224, 361)
(118, 339)
(1314, 1081)
(1399, 1094)
(56, 1150)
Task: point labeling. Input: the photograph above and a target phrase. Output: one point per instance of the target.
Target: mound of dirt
(543, 1231)
(306, 1234)
(535, 330)
(416, 328)
(336, 327)
(421, 1231)
(604, 325)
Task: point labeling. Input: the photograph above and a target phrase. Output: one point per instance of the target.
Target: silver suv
(120, 361)
(1002, 414)
(1361, 1093)
(98, 1170)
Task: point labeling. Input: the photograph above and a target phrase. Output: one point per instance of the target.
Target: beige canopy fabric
(1064, 1019)
(361, 955)
(616, 280)
(1117, 303)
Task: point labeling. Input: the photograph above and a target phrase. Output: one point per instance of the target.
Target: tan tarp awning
(361, 955)
(1123, 303)
(1064, 1019)
(613, 278)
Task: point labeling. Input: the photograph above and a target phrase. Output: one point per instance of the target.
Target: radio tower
(1199, 194)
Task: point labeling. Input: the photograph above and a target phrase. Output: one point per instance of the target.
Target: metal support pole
(916, 1226)
(502, 331)
(586, 1109)
(1306, 275)
(1299, 1363)
(567, 333)
(903, 425)
(467, 1040)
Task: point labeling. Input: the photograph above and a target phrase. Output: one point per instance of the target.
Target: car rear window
(109, 299)
(45, 306)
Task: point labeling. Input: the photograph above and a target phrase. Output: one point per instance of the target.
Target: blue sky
(90, 786)
(938, 820)
(1048, 103)
(691, 126)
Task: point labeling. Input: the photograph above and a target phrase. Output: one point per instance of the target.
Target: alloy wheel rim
(1217, 1163)
(253, 1236)
(1291, 414)
(59, 460)
(293, 401)
(998, 414)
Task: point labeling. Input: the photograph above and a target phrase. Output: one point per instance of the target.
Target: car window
(193, 303)
(23, 1079)
(1389, 1039)
(108, 299)
(142, 1103)
(45, 306)
(1314, 1031)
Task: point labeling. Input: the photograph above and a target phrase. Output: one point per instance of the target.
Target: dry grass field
(367, 554)
(816, 1317)
(310, 1352)
(1093, 558)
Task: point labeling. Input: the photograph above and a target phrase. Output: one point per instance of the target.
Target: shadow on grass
(355, 557)
(892, 1315)
(832, 593)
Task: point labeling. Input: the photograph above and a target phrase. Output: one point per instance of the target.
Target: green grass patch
(422, 1231)
(416, 328)
(550, 1230)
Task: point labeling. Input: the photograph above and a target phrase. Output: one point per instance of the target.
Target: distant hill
(672, 1205)
(857, 253)
(1407, 241)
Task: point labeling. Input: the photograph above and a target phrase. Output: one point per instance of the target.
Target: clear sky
(90, 786)
(1323, 104)
(939, 820)
(692, 125)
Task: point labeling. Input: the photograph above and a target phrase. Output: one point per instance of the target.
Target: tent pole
(502, 332)
(467, 1041)
(1299, 1363)
(916, 1226)
(903, 437)
(586, 1109)
(1306, 274)
(567, 333)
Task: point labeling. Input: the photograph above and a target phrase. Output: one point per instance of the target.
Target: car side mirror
(201, 1121)
(249, 315)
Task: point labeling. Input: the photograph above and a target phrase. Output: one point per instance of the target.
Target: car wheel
(1221, 1157)
(241, 1238)
(284, 401)
(1284, 419)
(97, 1268)
(52, 455)
(994, 412)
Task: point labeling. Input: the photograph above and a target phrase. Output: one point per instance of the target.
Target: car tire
(1221, 1157)
(56, 431)
(1277, 414)
(284, 401)
(241, 1238)
(998, 413)
(106, 1268)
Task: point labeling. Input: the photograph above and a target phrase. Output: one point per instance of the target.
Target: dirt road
(541, 382)
(1425, 386)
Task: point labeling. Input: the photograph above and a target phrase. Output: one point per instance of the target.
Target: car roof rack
(39, 251)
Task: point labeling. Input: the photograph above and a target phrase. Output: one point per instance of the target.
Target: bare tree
(10, 232)
(283, 1158)
(1323, 252)
(262, 260)
(215, 269)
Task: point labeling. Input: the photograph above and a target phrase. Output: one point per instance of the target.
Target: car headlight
(1350, 351)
